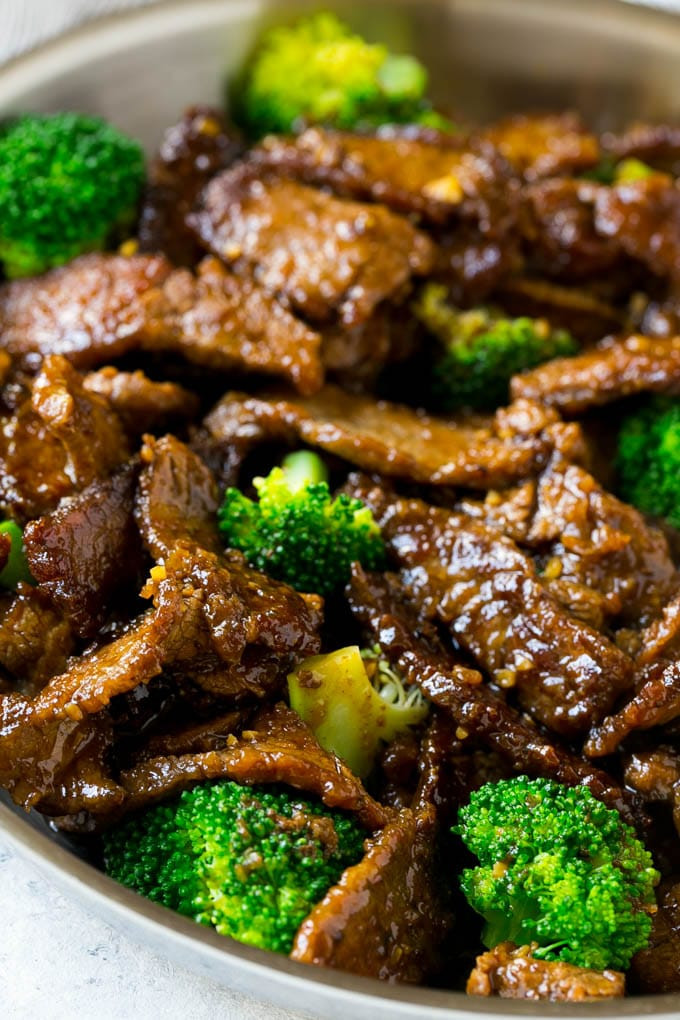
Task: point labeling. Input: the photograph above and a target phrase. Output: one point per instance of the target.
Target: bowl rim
(267, 975)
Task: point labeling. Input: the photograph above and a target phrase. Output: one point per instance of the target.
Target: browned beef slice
(656, 969)
(658, 145)
(141, 403)
(587, 315)
(544, 145)
(655, 774)
(643, 218)
(323, 255)
(454, 569)
(514, 973)
(382, 919)
(59, 441)
(35, 639)
(385, 437)
(87, 550)
(614, 369)
(192, 151)
(208, 735)
(177, 498)
(354, 358)
(377, 602)
(279, 748)
(407, 174)
(558, 225)
(222, 321)
(88, 310)
(472, 264)
(86, 785)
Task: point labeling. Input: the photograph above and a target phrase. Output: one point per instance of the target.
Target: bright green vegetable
(353, 701)
(559, 868)
(648, 458)
(68, 184)
(250, 862)
(296, 532)
(612, 171)
(318, 71)
(16, 568)
(481, 349)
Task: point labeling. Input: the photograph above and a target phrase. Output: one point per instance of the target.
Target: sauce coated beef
(267, 306)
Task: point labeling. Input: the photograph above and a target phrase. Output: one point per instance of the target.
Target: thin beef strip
(657, 145)
(643, 218)
(192, 151)
(485, 590)
(656, 969)
(543, 145)
(141, 403)
(514, 973)
(586, 314)
(614, 369)
(323, 255)
(35, 639)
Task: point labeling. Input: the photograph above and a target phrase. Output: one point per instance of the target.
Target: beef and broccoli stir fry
(341, 493)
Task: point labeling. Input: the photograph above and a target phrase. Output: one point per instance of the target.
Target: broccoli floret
(68, 183)
(612, 171)
(296, 532)
(648, 458)
(16, 568)
(353, 701)
(482, 349)
(319, 71)
(248, 861)
(559, 868)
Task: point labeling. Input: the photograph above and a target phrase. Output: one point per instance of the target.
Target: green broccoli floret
(482, 349)
(319, 71)
(248, 861)
(296, 532)
(559, 868)
(16, 567)
(68, 184)
(354, 701)
(648, 458)
(613, 171)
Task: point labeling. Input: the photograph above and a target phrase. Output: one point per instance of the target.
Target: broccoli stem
(303, 468)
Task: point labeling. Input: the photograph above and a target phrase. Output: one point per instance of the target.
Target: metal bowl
(612, 60)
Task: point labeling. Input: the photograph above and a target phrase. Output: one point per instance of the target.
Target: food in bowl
(326, 622)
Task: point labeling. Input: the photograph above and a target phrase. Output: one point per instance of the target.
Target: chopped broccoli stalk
(250, 862)
(353, 701)
(296, 532)
(648, 458)
(482, 349)
(318, 71)
(68, 184)
(16, 568)
(559, 868)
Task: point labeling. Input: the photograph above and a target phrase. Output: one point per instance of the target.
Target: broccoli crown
(67, 182)
(250, 862)
(648, 458)
(559, 868)
(482, 350)
(16, 568)
(297, 533)
(319, 71)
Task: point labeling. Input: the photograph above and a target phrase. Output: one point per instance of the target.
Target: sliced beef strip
(586, 314)
(437, 183)
(60, 440)
(454, 569)
(474, 265)
(479, 713)
(323, 255)
(614, 369)
(658, 145)
(390, 438)
(544, 145)
(656, 969)
(279, 748)
(218, 320)
(211, 734)
(177, 498)
(354, 358)
(514, 973)
(88, 550)
(35, 639)
(86, 784)
(191, 152)
(142, 404)
(88, 311)
(643, 218)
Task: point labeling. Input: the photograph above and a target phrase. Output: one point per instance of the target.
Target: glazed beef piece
(656, 969)
(88, 551)
(326, 257)
(219, 321)
(614, 369)
(390, 438)
(567, 675)
(142, 404)
(657, 145)
(544, 145)
(89, 311)
(35, 639)
(655, 776)
(436, 182)
(585, 313)
(643, 218)
(514, 973)
(192, 151)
